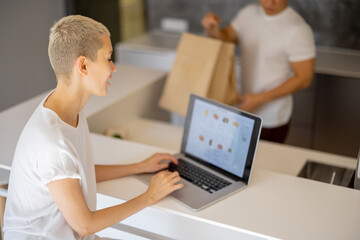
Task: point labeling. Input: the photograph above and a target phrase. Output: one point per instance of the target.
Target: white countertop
(290, 160)
(274, 204)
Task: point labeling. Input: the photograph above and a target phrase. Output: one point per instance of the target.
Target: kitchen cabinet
(337, 115)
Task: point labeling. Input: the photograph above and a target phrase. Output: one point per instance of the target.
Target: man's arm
(69, 198)
(227, 34)
(303, 74)
(154, 163)
(211, 23)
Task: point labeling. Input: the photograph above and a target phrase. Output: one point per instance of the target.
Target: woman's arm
(69, 198)
(154, 163)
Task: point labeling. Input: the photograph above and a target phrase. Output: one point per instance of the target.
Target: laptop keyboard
(199, 177)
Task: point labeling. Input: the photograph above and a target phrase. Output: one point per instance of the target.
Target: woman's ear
(81, 65)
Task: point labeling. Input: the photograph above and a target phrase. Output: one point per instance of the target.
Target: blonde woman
(52, 189)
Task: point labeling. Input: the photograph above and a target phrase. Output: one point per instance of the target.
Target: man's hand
(303, 74)
(157, 162)
(249, 102)
(210, 21)
(162, 184)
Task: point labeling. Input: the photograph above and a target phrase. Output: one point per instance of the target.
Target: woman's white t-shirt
(268, 44)
(48, 149)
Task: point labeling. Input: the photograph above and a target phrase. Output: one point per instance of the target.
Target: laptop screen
(220, 135)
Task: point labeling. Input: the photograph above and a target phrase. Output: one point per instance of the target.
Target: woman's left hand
(157, 161)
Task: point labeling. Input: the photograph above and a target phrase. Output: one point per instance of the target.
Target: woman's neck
(67, 100)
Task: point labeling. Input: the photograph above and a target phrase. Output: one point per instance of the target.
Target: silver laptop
(217, 152)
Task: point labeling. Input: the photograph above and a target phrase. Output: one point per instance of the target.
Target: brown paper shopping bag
(202, 66)
(223, 82)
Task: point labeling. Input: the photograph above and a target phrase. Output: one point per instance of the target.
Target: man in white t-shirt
(52, 189)
(277, 59)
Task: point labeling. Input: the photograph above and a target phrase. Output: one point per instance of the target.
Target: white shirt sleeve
(236, 22)
(241, 17)
(301, 45)
(57, 164)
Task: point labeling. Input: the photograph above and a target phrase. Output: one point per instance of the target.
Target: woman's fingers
(164, 183)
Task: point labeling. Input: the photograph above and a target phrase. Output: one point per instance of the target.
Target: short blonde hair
(71, 37)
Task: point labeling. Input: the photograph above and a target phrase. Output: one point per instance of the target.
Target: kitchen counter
(276, 204)
(338, 62)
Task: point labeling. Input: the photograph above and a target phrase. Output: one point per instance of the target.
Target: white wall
(25, 70)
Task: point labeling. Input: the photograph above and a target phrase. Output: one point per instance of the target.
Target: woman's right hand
(162, 184)
(210, 21)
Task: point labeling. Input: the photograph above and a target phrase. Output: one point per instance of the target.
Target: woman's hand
(162, 184)
(157, 161)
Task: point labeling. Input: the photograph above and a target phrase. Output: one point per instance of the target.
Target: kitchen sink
(328, 174)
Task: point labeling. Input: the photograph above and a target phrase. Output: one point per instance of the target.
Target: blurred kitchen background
(326, 115)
